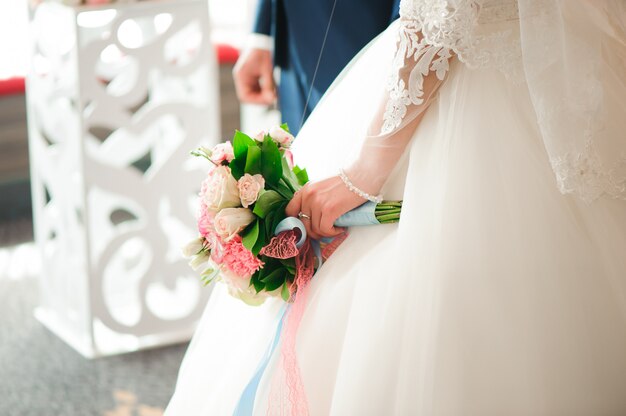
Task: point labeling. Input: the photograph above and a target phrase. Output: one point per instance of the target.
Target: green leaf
(285, 127)
(266, 203)
(269, 265)
(284, 292)
(283, 190)
(261, 241)
(301, 174)
(289, 264)
(279, 215)
(256, 282)
(270, 274)
(274, 280)
(237, 166)
(290, 178)
(271, 166)
(269, 218)
(241, 142)
(250, 235)
(253, 160)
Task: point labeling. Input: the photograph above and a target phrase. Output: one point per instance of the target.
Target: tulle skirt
(494, 295)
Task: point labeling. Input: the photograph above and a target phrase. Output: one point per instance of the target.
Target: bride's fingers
(307, 207)
(294, 207)
(316, 220)
(327, 226)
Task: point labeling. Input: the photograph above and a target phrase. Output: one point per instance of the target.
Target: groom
(294, 30)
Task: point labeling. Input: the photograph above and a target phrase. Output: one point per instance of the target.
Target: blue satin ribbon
(245, 406)
(362, 215)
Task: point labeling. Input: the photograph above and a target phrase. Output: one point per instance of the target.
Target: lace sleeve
(418, 69)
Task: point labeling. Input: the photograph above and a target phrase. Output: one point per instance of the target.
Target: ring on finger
(302, 215)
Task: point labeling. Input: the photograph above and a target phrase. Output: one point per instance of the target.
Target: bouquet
(245, 239)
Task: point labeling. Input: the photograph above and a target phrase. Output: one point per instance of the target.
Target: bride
(502, 291)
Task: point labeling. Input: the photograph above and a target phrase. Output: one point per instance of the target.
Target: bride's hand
(321, 203)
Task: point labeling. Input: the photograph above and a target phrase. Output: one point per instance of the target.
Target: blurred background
(39, 373)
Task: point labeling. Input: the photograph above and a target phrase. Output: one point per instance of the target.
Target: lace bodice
(482, 33)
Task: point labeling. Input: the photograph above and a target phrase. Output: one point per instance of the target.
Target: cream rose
(240, 288)
(249, 188)
(220, 190)
(280, 136)
(229, 221)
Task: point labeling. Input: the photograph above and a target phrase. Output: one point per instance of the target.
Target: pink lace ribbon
(287, 395)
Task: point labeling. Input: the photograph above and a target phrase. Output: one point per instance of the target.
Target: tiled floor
(42, 376)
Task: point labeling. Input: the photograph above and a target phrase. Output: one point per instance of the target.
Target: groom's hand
(254, 77)
(322, 203)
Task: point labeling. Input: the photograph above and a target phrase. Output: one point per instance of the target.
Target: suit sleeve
(395, 10)
(263, 19)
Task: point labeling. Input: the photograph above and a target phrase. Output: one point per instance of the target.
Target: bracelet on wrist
(375, 199)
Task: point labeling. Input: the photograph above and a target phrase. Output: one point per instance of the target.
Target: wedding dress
(502, 291)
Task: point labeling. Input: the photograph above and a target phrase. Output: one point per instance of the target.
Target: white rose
(249, 188)
(230, 221)
(198, 261)
(193, 247)
(280, 136)
(220, 190)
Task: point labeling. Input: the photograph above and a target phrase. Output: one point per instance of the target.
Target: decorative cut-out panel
(117, 97)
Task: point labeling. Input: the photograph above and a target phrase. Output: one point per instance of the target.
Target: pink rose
(249, 188)
(219, 190)
(260, 136)
(229, 221)
(222, 152)
(289, 157)
(280, 136)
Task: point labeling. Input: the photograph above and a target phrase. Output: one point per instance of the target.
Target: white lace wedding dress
(502, 291)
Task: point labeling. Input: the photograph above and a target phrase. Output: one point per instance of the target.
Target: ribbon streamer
(245, 405)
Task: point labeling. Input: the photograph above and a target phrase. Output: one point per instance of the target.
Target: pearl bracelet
(375, 199)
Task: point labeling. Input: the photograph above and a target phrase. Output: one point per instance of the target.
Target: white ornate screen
(117, 97)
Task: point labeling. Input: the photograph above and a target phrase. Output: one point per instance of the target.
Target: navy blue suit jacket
(298, 28)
